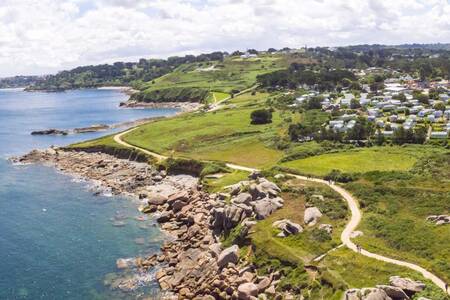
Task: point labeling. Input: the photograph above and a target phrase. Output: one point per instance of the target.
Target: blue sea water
(57, 240)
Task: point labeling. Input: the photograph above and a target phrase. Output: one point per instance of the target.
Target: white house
(439, 135)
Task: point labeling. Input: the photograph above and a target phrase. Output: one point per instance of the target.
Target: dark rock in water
(93, 128)
(50, 132)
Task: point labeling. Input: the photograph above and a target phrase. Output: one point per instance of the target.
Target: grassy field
(102, 141)
(218, 96)
(214, 185)
(232, 74)
(360, 160)
(396, 206)
(224, 135)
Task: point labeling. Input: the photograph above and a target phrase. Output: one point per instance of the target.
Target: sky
(46, 36)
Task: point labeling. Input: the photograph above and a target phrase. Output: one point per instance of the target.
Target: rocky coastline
(192, 264)
(183, 106)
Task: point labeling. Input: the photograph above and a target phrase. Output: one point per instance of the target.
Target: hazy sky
(45, 36)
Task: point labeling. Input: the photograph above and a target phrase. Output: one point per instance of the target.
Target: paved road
(352, 203)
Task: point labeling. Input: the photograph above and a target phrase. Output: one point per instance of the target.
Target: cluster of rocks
(183, 106)
(256, 198)
(287, 227)
(118, 176)
(439, 219)
(51, 131)
(192, 263)
(399, 288)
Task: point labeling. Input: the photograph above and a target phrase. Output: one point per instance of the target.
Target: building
(439, 135)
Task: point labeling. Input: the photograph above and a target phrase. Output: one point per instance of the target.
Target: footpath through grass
(224, 135)
(395, 207)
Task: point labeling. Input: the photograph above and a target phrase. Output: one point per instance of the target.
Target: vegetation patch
(109, 146)
(175, 94)
(395, 208)
(359, 160)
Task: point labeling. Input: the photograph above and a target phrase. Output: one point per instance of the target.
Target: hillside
(116, 74)
(194, 81)
(19, 81)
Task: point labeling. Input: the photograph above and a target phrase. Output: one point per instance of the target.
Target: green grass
(219, 96)
(231, 74)
(101, 141)
(224, 135)
(358, 271)
(214, 185)
(360, 160)
(396, 206)
(301, 248)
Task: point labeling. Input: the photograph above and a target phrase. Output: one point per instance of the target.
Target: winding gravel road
(352, 203)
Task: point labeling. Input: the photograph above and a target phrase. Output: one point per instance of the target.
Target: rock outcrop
(439, 219)
(399, 289)
(366, 294)
(287, 227)
(229, 255)
(259, 202)
(50, 132)
(407, 284)
(328, 228)
(312, 216)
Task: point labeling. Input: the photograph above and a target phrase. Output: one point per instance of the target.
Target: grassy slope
(231, 74)
(361, 160)
(225, 135)
(102, 141)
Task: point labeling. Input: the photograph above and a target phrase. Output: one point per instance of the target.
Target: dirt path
(352, 203)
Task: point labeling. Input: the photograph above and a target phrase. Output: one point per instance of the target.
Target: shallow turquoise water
(57, 240)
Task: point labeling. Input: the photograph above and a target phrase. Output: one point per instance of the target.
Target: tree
(380, 139)
(423, 99)
(400, 97)
(439, 106)
(314, 103)
(420, 135)
(237, 53)
(261, 116)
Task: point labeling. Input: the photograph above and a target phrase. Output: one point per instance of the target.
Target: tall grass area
(362, 160)
(357, 271)
(396, 205)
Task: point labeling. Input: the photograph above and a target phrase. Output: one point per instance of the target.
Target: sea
(57, 239)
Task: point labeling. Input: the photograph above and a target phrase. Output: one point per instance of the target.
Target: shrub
(184, 166)
(261, 116)
(339, 176)
(213, 168)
